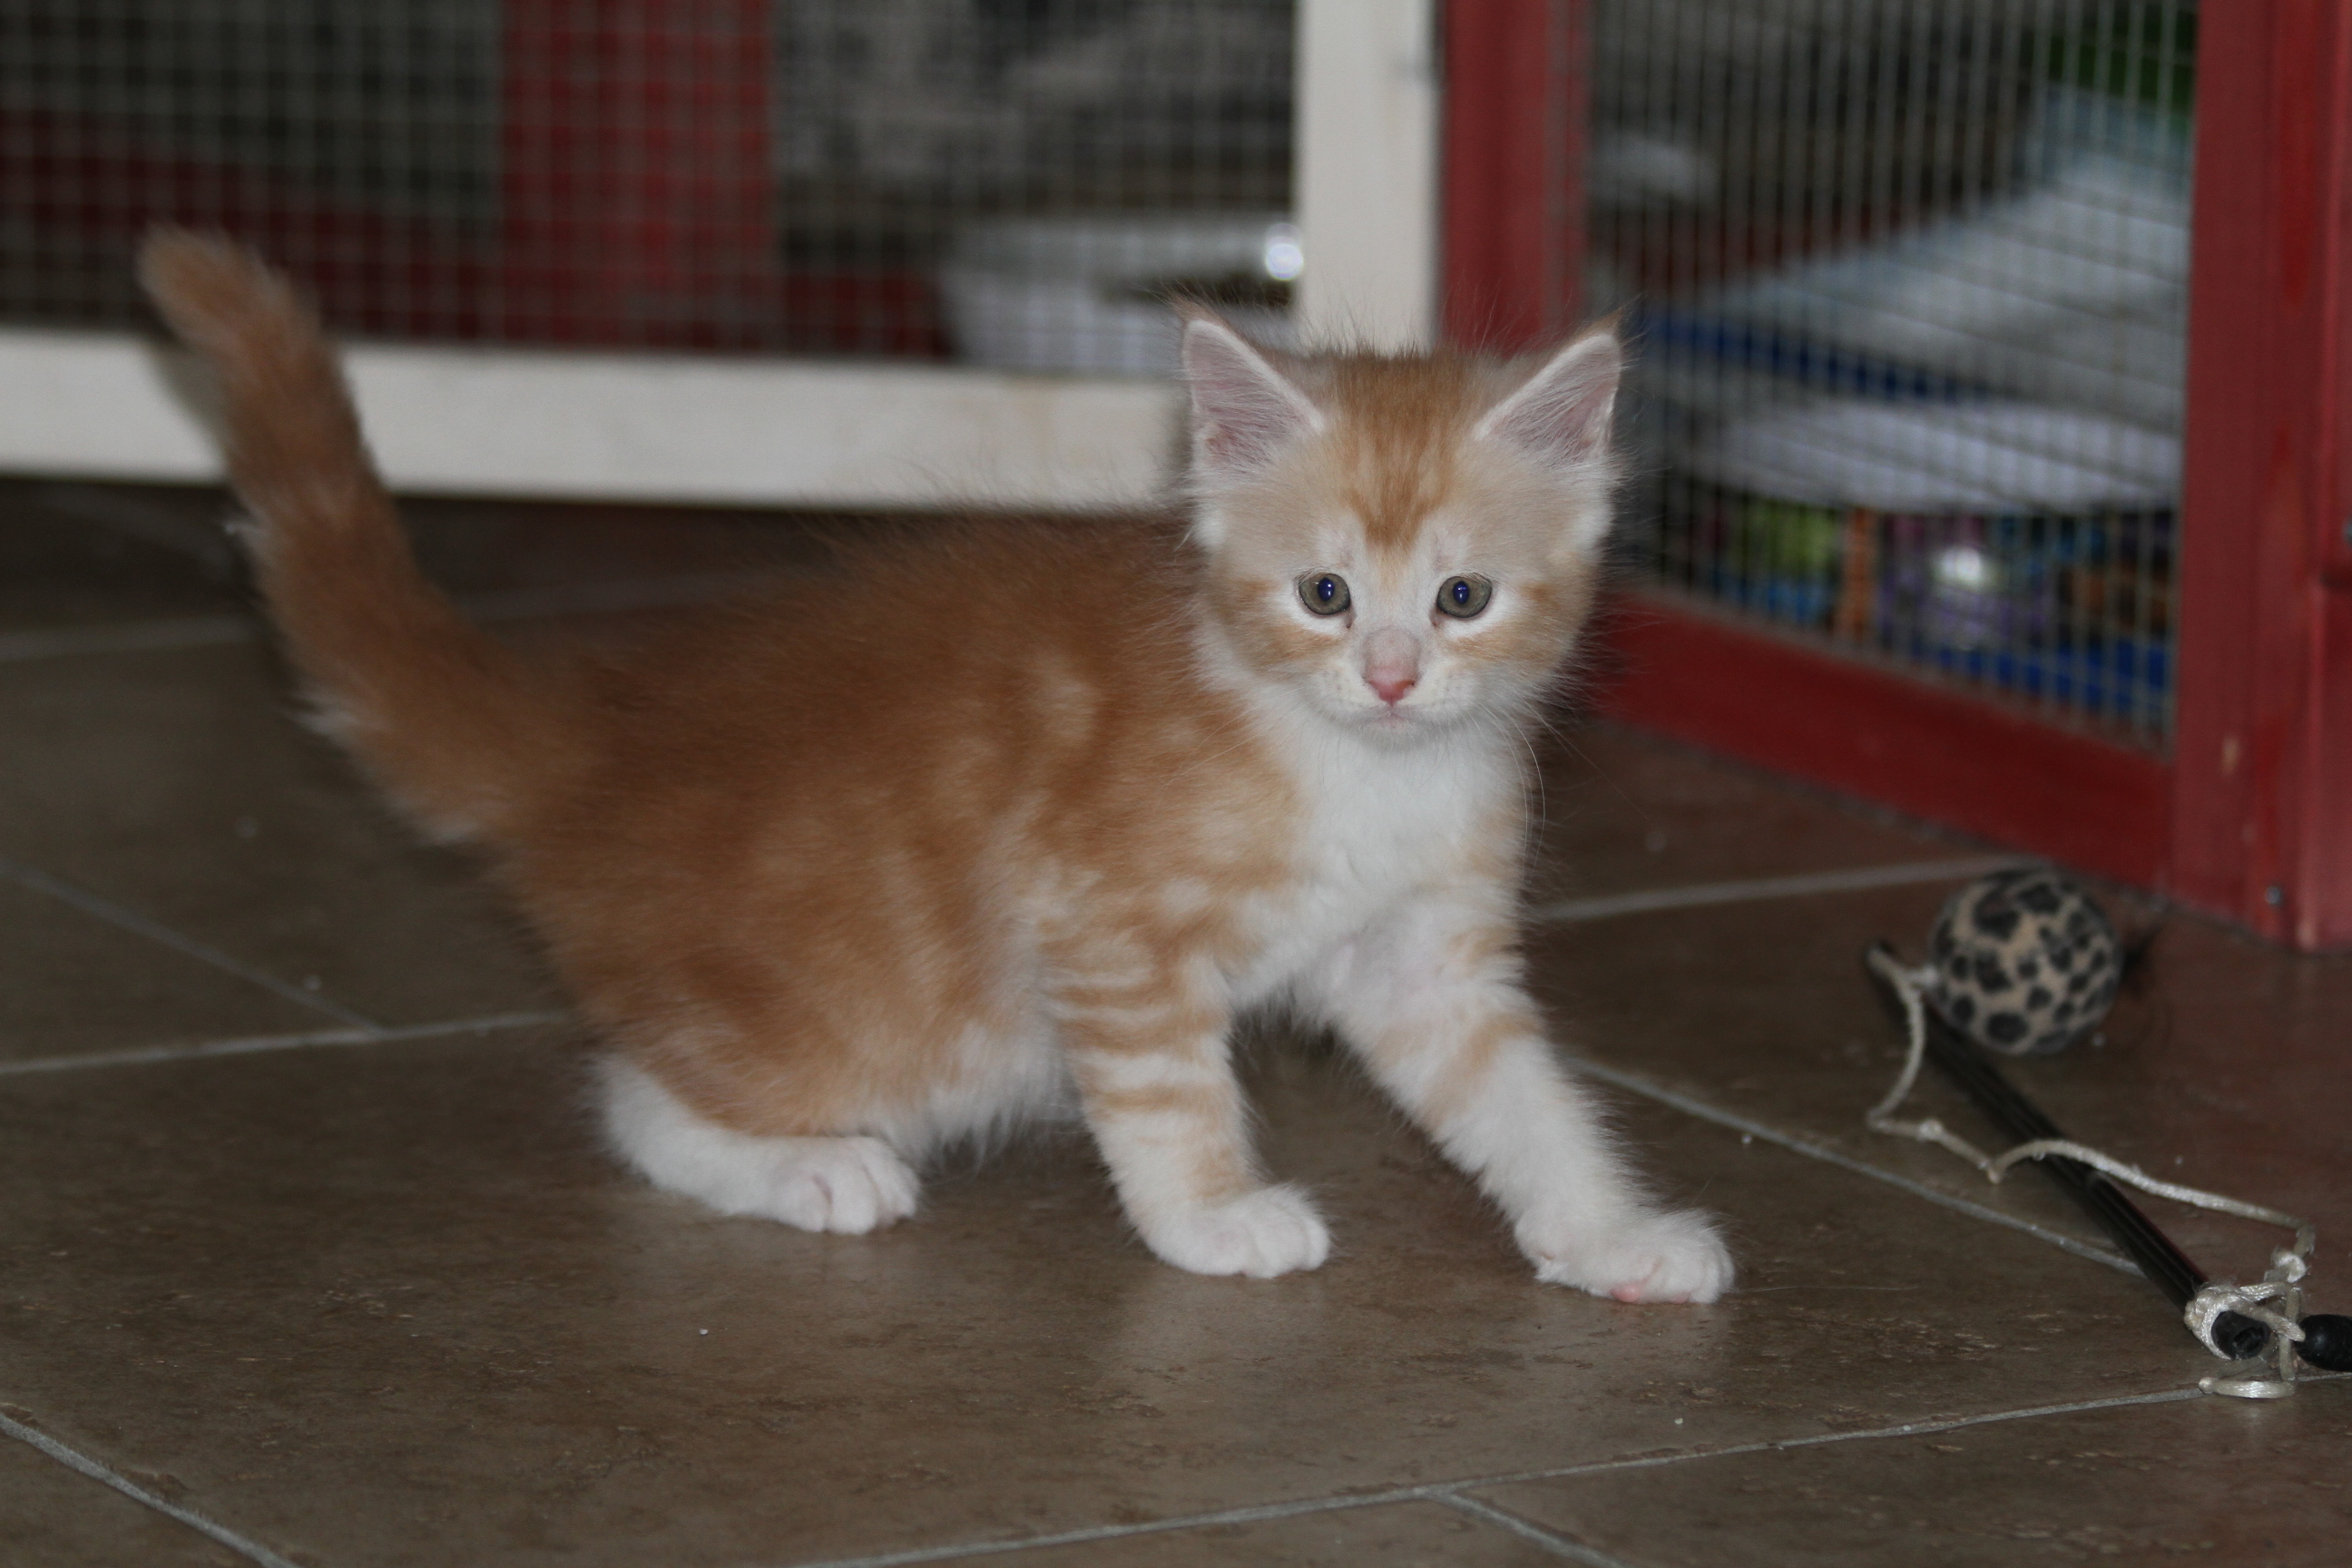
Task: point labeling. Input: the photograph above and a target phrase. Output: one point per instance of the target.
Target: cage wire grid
(1004, 181)
(1909, 277)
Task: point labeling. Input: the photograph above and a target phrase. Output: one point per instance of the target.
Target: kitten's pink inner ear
(1244, 410)
(1562, 416)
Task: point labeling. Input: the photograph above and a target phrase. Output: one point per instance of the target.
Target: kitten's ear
(1244, 410)
(1560, 416)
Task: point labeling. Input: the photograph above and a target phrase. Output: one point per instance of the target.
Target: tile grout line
(1258, 1514)
(1526, 1530)
(363, 1031)
(1713, 892)
(1575, 912)
(1578, 910)
(1754, 889)
(1634, 1084)
(1448, 1492)
(198, 1051)
(74, 1460)
(221, 630)
(128, 920)
(1694, 895)
(1874, 1434)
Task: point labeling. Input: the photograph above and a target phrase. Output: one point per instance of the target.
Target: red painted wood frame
(638, 191)
(2263, 750)
(2252, 817)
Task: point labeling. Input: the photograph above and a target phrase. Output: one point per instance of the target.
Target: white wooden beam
(652, 426)
(632, 427)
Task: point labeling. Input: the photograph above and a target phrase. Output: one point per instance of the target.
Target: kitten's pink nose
(1392, 663)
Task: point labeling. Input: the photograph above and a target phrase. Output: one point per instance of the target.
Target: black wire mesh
(1006, 181)
(1910, 275)
(1911, 278)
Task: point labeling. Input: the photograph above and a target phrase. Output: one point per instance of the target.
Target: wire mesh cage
(1911, 279)
(1007, 182)
(1909, 276)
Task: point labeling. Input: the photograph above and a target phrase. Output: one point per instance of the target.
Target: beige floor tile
(2207, 1481)
(72, 985)
(1624, 811)
(181, 786)
(51, 1517)
(2223, 1068)
(79, 554)
(2227, 1067)
(177, 782)
(61, 567)
(391, 1305)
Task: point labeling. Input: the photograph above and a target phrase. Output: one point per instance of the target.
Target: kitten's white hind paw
(1273, 1230)
(850, 1185)
(846, 1185)
(1673, 1257)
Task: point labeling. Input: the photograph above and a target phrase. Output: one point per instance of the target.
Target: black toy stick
(2327, 1336)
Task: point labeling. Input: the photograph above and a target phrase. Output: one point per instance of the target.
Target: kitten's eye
(1323, 593)
(1463, 597)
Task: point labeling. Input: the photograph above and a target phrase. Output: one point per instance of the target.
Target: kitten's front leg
(1432, 1000)
(1155, 1075)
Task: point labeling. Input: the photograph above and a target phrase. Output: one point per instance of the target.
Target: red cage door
(2252, 815)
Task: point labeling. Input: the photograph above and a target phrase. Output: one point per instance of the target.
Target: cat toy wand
(2025, 963)
(2326, 1336)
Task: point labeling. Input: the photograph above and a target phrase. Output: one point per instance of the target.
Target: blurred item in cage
(953, 104)
(2074, 610)
(1091, 293)
(1784, 560)
(2071, 291)
(1911, 284)
(1769, 127)
(1934, 456)
(1044, 167)
(748, 176)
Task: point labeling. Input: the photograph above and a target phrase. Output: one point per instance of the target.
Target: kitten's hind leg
(846, 1185)
(1432, 1000)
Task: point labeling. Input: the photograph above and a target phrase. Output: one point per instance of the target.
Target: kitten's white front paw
(849, 1185)
(1271, 1231)
(1642, 1256)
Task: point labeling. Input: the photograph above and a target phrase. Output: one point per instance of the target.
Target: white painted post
(1366, 172)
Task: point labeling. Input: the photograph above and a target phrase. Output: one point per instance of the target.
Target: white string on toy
(2288, 1265)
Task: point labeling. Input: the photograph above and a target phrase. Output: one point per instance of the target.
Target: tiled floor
(312, 1257)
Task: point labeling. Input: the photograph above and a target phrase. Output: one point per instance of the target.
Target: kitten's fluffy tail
(446, 718)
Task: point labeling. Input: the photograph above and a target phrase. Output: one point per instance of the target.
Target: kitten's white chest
(1378, 829)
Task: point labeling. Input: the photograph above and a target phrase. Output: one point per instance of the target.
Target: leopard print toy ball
(2024, 962)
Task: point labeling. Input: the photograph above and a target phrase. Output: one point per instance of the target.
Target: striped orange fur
(1013, 820)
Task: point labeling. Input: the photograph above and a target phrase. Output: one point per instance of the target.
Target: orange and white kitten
(1017, 818)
